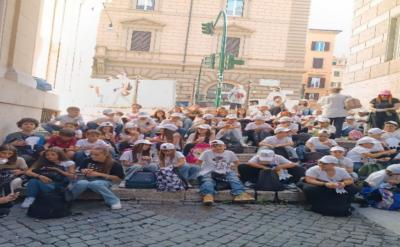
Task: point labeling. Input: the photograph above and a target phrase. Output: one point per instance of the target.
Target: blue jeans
(35, 187)
(189, 172)
(102, 187)
(207, 184)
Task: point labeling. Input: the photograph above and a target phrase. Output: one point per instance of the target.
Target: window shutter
(309, 82)
(322, 83)
(313, 45)
(327, 46)
(140, 41)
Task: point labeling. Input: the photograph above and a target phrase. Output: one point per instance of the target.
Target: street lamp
(135, 95)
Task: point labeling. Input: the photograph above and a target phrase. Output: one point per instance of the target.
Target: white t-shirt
(345, 163)
(277, 160)
(333, 105)
(19, 164)
(273, 140)
(85, 144)
(377, 178)
(174, 161)
(66, 164)
(330, 129)
(128, 156)
(317, 173)
(377, 146)
(217, 162)
(319, 145)
(395, 134)
(254, 126)
(293, 127)
(356, 154)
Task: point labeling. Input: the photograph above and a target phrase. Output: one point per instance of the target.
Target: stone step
(346, 144)
(250, 149)
(245, 157)
(190, 196)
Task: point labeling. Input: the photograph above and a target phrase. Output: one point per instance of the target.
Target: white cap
(108, 111)
(176, 114)
(285, 119)
(259, 117)
(338, 148)
(167, 146)
(208, 116)
(147, 142)
(281, 129)
(217, 142)
(392, 122)
(204, 126)
(329, 159)
(130, 125)
(366, 140)
(106, 124)
(395, 168)
(171, 127)
(350, 118)
(143, 115)
(323, 131)
(375, 131)
(323, 119)
(266, 155)
(231, 116)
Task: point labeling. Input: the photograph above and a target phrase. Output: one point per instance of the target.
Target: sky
(333, 14)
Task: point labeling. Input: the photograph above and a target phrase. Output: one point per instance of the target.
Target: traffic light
(207, 28)
(231, 61)
(210, 61)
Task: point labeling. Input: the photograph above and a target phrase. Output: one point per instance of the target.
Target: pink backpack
(196, 151)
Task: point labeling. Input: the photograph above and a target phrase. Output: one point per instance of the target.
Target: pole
(197, 94)
(221, 67)
(248, 94)
(135, 96)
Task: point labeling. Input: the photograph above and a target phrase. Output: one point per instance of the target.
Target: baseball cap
(395, 168)
(323, 131)
(266, 155)
(338, 148)
(365, 140)
(208, 116)
(143, 115)
(204, 126)
(258, 117)
(231, 116)
(350, 118)
(130, 125)
(106, 124)
(281, 129)
(147, 142)
(328, 159)
(108, 111)
(285, 119)
(171, 127)
(323, 119)
(176, 114)
(167, 146)
(375, 131)
(217, 142)
(392, 122)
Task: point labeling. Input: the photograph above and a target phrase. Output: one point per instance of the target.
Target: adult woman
(328, 188)
(11, 168)
(50, 173)
(99, 172)
(159, 116)
(384, 109)
(198, 142)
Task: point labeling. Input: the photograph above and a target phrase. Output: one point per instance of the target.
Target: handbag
(221, 182)
(268, 180)
(142, 180)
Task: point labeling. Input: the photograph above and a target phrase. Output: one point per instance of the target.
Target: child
(231, 130)
(258, 130)
(218, 162)
(75, 128)
(49, 173)
(322, 143)
(73, 116)
(344, 162)
(281, 143)
(11, 169)
(159, 116)
(128, 137)
(145, 124)
(84, 146)
(99, 173)
(28, 144)
(287, 122)
(324, 124)
(64, 140)
(391, 131)
(141, 158)
(107, 133)
(349, 125)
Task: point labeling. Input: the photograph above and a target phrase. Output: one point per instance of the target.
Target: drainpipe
(59, 45)
(187, 35)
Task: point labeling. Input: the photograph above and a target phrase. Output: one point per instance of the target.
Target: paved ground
(193, 225)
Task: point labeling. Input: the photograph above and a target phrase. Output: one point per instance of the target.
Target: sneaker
(116, 206)
(27, 202)
(122, 184)
(249, 185)
(291, 187)
(208, 200)
(244, 197)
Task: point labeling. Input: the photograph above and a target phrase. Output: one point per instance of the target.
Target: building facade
(374, 61)
(338, 70)
(162, 40)
(319, 63)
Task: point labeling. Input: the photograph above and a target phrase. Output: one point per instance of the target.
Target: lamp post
(248, 93)
(135, 95)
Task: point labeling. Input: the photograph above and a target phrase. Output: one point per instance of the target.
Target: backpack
(49, 206)
(352, 103)
(268, 180)
(169, 180)
(367, 169)
(141, 180)
(196, 151)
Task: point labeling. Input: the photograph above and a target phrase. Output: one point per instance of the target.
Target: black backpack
(268, 180)
(49, 206)
(142, 180)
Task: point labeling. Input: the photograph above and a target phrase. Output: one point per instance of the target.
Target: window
(312, 96)
(393, 51)
(140, 41)
(320, 46)
(145, 4)
(336, 73)
(316, 82)
(318, 63)
(334, 63)
(336, 84)
(234, 7)
(233, 46)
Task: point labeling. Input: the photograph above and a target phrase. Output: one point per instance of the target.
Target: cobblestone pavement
(192, 225)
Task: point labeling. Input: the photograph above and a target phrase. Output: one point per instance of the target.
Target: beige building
(162, 40)
(338, 70)
(319, 63)
(374, 61)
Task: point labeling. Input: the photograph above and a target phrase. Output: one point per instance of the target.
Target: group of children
(191, 147)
